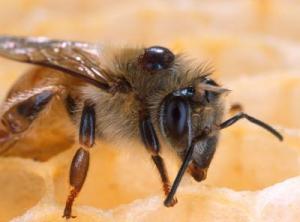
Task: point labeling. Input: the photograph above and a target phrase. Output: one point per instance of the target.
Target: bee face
(185, 112)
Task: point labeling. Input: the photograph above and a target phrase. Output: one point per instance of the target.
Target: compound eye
(156, 58)
(176, 117)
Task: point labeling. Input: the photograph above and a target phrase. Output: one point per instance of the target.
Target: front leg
(152, 144)
(80, 163)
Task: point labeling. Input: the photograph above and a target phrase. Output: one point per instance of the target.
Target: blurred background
(237, 37)
(253, 45)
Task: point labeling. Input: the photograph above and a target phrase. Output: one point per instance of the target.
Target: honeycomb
(255, 49)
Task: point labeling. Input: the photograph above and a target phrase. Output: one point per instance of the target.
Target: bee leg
(258, 122)
(152, 144)
(20, 113)
(80, 163)
(160, 165)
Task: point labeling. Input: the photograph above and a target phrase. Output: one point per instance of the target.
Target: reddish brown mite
(137, 94)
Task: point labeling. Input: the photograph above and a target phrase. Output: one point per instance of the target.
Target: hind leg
(20, 111)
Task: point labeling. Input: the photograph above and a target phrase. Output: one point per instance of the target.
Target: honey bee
(145, 95)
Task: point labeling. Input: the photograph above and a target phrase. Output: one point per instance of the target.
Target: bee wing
(76, 58)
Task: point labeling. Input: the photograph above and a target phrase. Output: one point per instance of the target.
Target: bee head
(185, 112)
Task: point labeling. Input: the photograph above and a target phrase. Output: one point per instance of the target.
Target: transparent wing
(76, 58)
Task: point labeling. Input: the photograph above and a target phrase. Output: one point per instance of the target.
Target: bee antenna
(185, 163)
(203, 135)
(215, 89)
(258, 122)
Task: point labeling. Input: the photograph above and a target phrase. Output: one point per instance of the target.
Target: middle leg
(80, 163)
